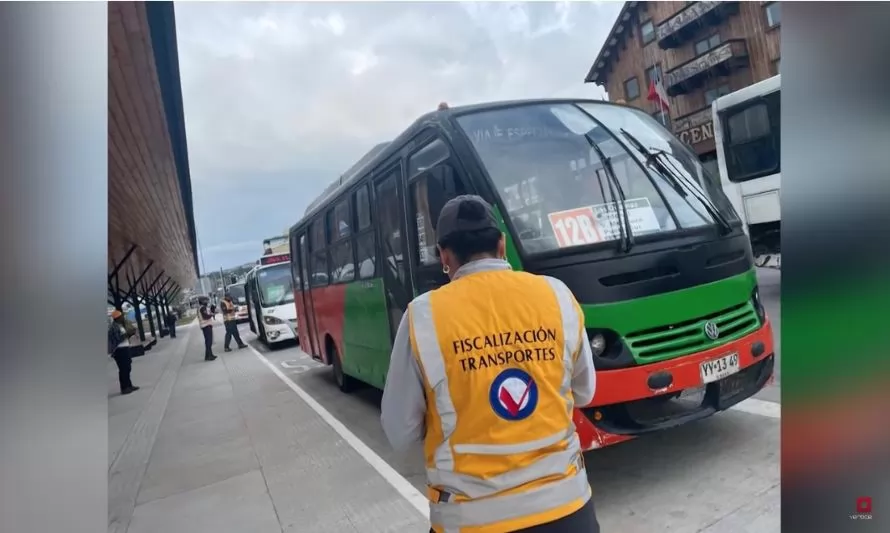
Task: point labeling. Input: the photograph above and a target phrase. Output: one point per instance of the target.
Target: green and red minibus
(598, 195)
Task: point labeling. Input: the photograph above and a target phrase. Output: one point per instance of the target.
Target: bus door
(314, 346)
(434, 177)
(393, 246)
(249, 293)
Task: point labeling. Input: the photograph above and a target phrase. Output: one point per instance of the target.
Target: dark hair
(466, 244)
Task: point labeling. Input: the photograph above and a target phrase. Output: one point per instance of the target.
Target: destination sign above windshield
(275, 259)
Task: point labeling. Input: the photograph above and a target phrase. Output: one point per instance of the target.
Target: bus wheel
(345, 383)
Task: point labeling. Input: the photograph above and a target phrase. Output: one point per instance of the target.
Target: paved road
(717, 475)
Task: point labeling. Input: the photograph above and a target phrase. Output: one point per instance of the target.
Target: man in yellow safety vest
(486, 371)
(228, 309)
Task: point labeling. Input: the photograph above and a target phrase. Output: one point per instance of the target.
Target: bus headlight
(598, 344)
(272, 320)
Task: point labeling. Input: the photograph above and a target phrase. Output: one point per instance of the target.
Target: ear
(502, 246)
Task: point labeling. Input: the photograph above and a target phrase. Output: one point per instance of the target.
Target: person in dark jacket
(171, 319)
(122, 353)
(205, 321)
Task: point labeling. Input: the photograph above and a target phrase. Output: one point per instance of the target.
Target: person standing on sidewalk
(120, 331)
(486, 371)
(171, 319)
(205, 322)
(228, 310)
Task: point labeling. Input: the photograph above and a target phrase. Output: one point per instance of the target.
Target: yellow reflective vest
(228, 310)
(204, 322)
(496, 351)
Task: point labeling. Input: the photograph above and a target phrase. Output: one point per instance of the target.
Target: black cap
(467, 212)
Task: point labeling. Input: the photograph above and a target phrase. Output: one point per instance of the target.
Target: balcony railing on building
(687, 22)
(720, 61)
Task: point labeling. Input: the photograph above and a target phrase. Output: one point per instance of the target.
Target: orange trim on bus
(629, 384)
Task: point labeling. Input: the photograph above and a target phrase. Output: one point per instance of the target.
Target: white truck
(747, 136)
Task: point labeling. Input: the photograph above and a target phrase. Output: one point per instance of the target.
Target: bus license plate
(719, 368)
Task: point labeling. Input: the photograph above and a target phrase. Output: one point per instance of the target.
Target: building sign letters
(695, 128)
(697, 134)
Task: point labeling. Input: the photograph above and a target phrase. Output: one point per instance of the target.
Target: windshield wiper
(656, 159)
(699, 195)
(625, 233)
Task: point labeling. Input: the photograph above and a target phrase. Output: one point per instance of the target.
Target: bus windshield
(275, 285)
(237, 293)
(561, 174)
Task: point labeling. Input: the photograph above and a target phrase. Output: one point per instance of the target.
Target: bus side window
(340, 247)
(429, 191)
(365, 238)
(295, 258)
(318, 254)
(752, 140)
(303, 263)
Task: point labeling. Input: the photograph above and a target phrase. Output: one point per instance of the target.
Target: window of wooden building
(707, 44)
(716, 92)
(632, 89)
(653, 73)
(647, 32)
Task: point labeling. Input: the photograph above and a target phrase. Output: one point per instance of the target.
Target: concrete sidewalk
(228, 446)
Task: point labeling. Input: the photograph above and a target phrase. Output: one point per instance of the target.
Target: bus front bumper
(625, 406)
(279, 332)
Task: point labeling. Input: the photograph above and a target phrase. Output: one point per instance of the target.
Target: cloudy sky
(281, 98)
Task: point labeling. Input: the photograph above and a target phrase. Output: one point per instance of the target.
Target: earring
(446, 269)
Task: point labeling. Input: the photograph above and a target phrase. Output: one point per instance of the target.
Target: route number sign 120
(575, 227)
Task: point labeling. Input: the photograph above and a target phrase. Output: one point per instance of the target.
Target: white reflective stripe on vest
(421, 317)
(550, 464)
(502, 508)
(509, 449)
(571, 325)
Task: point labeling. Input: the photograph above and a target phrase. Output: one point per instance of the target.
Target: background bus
(747, 135)
(239, 297)
(269, 291)
(275, 245)
(598, 195)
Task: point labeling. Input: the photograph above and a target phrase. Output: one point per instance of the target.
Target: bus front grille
(683, 338)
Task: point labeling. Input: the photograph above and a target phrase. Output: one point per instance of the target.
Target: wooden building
(152, 252)
(698, 50)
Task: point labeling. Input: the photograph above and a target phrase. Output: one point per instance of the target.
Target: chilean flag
(657, 95)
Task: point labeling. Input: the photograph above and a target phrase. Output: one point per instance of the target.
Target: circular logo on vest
(513, 395)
